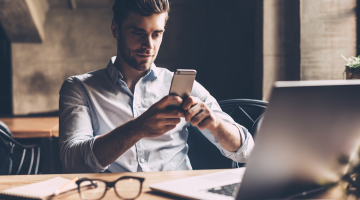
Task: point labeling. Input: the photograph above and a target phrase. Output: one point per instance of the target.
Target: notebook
(40, 190)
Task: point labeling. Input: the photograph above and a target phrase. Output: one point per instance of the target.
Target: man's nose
(148, 42)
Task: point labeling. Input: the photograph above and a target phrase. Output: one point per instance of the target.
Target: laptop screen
(309, 133)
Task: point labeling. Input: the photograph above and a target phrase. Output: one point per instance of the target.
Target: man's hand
(199, 114)
(157, 120)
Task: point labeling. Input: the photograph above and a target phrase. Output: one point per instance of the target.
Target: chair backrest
(246, 112)
(203, 154)
(8, 160)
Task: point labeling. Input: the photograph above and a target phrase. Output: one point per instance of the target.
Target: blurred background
(239, 47)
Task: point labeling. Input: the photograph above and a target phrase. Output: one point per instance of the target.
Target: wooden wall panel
(281, 43)
(328, 30)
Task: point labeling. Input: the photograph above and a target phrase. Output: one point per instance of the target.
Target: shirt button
(142, 160)
(122, 86)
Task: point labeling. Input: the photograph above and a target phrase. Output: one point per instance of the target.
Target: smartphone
(182, 84)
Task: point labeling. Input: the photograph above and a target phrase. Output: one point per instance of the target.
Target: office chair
(8, 147)
(203, 154)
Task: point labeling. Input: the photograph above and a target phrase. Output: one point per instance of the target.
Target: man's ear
(115, 29)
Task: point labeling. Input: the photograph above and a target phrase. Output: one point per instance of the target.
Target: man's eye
(156, 34)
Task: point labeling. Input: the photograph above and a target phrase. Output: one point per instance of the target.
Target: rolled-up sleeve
(76, 138)
(247, 142)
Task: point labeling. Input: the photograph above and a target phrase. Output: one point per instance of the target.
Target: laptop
(309, 134)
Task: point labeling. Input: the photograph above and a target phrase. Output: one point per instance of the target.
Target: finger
(192, 112)
(190, 101)
(170, 121)
(168, 128)
(171, 114)
(204, 123)
(198, 118)
(165, 101)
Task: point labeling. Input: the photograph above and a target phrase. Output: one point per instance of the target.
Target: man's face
(139, 39)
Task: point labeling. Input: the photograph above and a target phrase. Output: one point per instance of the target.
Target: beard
(128, 55)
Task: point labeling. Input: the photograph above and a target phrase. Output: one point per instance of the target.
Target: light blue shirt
(97, 102)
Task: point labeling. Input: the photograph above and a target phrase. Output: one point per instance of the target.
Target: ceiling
(81, 3)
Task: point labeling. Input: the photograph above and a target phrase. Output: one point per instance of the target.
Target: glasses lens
(128, 188)
(92, 189)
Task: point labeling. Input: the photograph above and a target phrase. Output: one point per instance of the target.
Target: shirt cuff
(92, 161)
(242, 153)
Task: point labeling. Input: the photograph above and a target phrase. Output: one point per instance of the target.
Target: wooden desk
(7, 182)
(33, 127)
(46, 129)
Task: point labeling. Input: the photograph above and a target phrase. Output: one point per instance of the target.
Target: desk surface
(7, 182)
(33, 127)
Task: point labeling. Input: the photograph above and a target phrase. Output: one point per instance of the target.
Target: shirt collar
(115, 74)
(112, 71)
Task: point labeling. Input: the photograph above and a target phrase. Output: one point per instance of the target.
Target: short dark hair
(122, 8)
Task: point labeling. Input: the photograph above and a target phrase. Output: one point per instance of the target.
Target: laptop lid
(309, 132)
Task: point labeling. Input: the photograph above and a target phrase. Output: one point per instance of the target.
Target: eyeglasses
(126, 187)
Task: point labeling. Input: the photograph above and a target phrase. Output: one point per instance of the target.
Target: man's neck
(130, 75)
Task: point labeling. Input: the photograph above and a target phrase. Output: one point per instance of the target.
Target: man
(115, 119)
